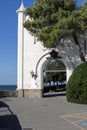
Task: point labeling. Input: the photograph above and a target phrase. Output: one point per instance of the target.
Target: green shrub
(76, 88)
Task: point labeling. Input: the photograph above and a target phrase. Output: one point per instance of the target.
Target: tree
(53, 20)
(54, 76)
(76, 88)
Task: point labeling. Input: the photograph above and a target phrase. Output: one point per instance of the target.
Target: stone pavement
(52, 112)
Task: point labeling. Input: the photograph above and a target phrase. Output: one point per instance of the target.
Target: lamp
(33, 74)
(54, 54)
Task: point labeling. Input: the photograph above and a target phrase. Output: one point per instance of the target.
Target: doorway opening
(54, 76)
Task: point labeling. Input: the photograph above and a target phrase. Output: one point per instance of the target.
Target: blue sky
(8, 39)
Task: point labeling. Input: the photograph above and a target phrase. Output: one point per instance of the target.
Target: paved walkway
(52, 112)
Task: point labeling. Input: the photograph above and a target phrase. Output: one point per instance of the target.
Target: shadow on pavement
(8, 120)
(56, 94)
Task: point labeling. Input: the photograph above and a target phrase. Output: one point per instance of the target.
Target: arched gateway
(31, 57)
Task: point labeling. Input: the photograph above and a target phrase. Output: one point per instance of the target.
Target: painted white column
(20, 57)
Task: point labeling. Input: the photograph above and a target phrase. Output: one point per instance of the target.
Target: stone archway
(43, 60)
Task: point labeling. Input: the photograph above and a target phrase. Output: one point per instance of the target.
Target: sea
(8, 87)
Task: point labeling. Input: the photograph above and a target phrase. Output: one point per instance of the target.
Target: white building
(31, 58)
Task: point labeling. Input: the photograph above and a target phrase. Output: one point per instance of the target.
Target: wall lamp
(33, 74)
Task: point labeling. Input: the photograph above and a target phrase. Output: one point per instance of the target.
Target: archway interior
(54, 76)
